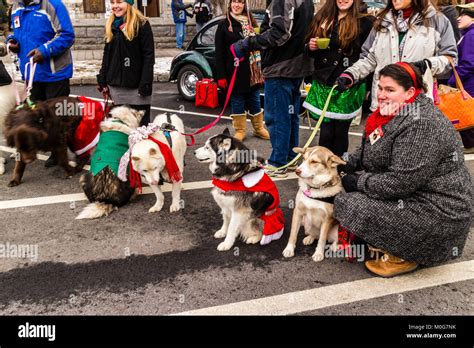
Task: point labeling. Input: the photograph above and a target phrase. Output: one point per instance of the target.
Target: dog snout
(298, 171)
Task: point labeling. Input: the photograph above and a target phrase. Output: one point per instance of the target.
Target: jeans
(282, 105)
(242, 102)
(180, 34)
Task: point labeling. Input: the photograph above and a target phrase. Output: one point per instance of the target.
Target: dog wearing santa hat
(248, 198)
(104, 190)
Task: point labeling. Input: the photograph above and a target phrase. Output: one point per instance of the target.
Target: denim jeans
(242, 102)
(180, 34)
(282, 105)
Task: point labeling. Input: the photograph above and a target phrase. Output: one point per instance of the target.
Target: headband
(410, 71)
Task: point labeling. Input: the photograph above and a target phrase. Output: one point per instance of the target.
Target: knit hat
(130, 2)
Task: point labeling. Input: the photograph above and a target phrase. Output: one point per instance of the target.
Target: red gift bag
(206, 93)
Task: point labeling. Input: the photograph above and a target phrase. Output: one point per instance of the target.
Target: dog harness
(259, 181)
(87, 134)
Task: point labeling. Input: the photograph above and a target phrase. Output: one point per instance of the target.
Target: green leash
(311, 138)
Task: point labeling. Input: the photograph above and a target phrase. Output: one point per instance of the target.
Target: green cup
(323, 43)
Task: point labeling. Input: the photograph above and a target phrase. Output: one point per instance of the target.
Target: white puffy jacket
(433, 41)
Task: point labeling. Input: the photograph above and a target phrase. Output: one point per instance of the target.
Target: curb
(91, 80)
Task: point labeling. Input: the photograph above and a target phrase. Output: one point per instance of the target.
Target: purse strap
(459, 84)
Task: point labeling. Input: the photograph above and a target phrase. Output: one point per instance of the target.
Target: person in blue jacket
(179, 18)
(43, 30)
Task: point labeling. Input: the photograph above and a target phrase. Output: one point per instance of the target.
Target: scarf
(142, 133)
(118, 21)
(274, 221)
(376, 120)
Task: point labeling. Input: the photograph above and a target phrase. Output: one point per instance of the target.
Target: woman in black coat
(245, 98)
(347, 30)
(129, 56)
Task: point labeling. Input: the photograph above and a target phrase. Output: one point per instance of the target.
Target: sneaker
(293, 167)
(280, 173)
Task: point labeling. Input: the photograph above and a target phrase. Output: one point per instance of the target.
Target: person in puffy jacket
(129, 56)
(42, 30)
(180, 18)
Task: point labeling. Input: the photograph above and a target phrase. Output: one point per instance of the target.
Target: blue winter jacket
(179, 11)
(45, 25)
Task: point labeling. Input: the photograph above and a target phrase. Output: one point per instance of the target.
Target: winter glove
(349, 182)
(241, 47)
(344, 168)
(344, 81)
(145, 90)
(37, 56)
(14, 46)
(422, 65)
(222, 83)
(103, 90)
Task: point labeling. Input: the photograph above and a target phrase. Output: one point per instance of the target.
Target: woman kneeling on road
(237, 24)
(412, 195)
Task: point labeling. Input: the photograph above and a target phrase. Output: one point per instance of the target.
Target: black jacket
(129, 63)
(5, 78)
(225, 59)
(283, 31)
(331, 62)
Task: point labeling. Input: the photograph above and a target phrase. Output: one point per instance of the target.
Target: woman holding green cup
(334, 40)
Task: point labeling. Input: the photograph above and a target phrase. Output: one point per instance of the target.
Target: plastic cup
(323, 43)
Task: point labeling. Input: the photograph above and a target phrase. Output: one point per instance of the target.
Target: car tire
(188, 75)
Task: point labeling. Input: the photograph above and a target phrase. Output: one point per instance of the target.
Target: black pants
(335, 135)
(146, 118)
(467, 137)
(47, 90)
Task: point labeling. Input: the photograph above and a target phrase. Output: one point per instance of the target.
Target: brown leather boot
(259, 129)
(390, 266)
(239, 121)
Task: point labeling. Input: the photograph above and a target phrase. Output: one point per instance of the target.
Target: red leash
(227, 98)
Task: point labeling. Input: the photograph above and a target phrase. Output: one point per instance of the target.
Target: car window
(208, 35)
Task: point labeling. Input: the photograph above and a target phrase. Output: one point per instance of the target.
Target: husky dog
(148, 160)
(233, 164)
(103, 188)
(319, 182)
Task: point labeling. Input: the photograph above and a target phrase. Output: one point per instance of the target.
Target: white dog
(149, 162)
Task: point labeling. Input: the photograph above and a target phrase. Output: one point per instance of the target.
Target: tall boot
(259, 129)
(390, 266)
(239, 121)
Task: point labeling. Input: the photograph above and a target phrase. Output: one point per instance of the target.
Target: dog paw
(13, 183)
(308, 240)
(318, 256)
(220, 234)
(289, 251)
(156, 208)
(174, 208)
(224, 246)
(253, 240)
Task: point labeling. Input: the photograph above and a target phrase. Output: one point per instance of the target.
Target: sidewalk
(87, 65)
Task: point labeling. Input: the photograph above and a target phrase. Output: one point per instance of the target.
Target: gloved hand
(422, 65)
(14, 46)
(241, 47)
(349, 182)
(37, 56)
(103, 89)
(344, 168)
(344, 81)
(222, 83)
(145, 90)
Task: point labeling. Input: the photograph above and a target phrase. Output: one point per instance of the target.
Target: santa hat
(87, 134)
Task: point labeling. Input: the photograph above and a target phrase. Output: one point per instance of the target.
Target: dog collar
(330, 199)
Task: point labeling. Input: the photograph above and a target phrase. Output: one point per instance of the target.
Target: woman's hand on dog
(349, 182)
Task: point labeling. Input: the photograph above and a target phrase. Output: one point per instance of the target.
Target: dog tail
(96, 210)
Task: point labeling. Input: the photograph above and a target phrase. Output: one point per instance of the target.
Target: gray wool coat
(415, 193)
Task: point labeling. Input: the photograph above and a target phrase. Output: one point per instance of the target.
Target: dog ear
(226, 131)
(335, 160)
(226, 144)
(300, 150)
(140, 115)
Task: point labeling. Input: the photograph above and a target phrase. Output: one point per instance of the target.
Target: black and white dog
(248, 198)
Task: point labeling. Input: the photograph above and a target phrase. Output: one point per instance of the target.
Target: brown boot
(239, 121)
(259, 129)
(390, 266)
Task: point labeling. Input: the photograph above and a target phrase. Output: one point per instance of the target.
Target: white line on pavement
(339, 294)
(75, 197)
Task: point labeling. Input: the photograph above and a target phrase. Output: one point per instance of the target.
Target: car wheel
(187, 78)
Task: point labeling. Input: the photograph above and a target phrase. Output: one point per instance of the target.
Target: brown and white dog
(318, 183)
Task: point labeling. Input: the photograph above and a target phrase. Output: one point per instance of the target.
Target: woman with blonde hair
(129, 55)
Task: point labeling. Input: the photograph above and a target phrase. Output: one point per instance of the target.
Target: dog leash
(313, 134)
(169, 127)
(15, 59)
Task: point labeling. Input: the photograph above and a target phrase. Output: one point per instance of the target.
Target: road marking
(205, 115)
(75, 197)
(339, 294)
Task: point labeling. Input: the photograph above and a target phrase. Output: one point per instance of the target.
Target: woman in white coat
(406, 30)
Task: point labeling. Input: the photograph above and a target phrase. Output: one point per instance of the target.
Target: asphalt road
(135, 262)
